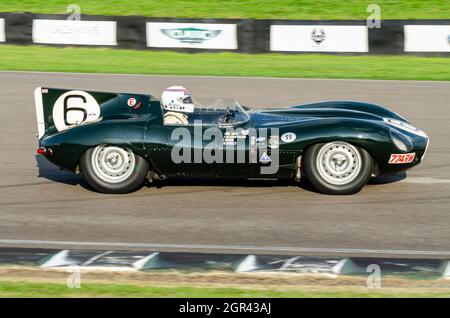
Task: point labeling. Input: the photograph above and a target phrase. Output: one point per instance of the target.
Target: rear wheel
(338, 167)
(113, 169)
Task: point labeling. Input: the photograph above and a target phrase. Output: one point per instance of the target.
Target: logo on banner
(191, 35)
(318, 36)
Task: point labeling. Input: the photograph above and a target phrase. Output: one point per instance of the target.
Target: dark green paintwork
(142, 131)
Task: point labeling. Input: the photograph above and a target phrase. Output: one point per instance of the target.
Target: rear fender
(68, 146)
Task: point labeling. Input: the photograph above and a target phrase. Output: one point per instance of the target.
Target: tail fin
(38, 103)
(61, 109)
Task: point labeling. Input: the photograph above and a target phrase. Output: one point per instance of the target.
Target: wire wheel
(112, 164)
(338, 163)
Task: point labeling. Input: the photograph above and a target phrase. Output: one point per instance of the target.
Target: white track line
(426, 180)
(222, 247)
(231, 77)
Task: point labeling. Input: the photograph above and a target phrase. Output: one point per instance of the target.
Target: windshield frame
(218, 104)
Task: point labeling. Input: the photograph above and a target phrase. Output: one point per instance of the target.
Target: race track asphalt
(43, 207)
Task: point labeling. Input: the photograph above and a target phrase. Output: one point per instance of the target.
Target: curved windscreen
(218, 111)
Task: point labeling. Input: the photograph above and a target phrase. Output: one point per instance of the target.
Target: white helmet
(178, 99)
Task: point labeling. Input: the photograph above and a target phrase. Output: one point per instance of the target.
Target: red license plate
(402, 158)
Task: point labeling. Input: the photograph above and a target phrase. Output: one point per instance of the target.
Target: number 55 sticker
(74, 108)
(288, 137)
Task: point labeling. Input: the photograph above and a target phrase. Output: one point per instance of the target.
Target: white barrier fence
(250, 36)
(155, 260)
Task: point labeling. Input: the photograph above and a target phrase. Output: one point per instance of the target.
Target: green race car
(117, 141)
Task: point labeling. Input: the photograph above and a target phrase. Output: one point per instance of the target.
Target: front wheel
(337, 167)
(113, 169)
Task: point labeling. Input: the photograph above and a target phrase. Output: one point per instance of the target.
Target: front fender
(371, 136)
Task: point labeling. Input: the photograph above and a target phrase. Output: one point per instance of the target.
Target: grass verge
(258, 9)
(33, 289)
(106, 60)
(22, 281)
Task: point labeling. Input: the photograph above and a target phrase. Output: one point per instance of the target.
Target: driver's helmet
(178, 99)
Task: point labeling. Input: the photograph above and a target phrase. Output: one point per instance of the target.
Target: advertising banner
(192, 35)
(319, 38)
(2, 30)
(427, 38)
(75, 32)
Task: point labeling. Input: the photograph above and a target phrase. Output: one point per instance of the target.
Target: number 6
(66, 109)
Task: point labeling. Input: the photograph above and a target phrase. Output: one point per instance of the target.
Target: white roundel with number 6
(288, 137)
(74, 108)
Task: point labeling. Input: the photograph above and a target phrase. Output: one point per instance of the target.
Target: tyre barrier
(242, 263)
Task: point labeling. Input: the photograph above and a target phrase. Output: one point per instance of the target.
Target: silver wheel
(338, 163)
(112, 164)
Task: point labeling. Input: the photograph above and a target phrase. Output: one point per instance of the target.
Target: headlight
(402, 142)
(399, 144)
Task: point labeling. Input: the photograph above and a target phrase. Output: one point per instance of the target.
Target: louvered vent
(276, 119)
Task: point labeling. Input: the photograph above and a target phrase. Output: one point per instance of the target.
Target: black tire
(316, 168)
(133, 178)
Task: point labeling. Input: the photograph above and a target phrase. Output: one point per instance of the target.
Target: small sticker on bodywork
(265, 158)
(274, 141)
(131, 102)
(288, 137)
